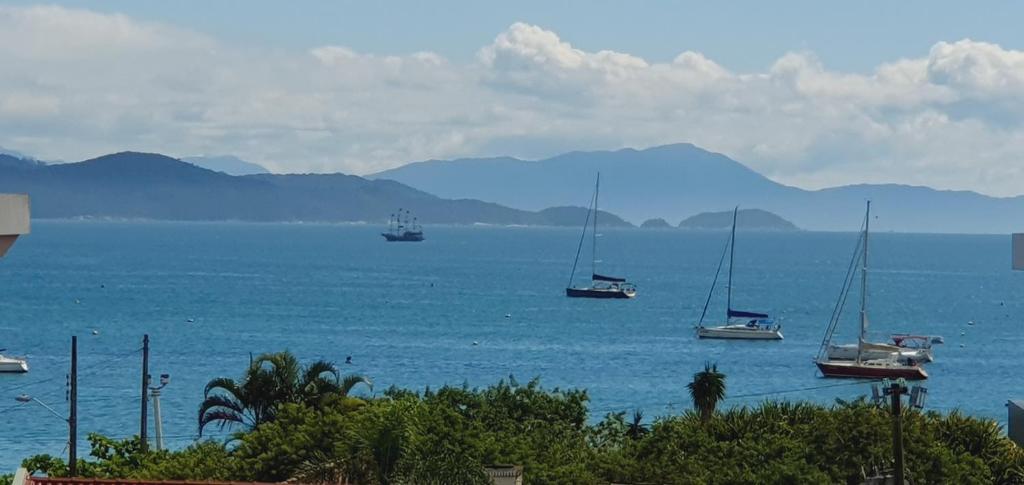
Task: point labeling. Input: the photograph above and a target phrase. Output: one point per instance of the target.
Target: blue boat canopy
(742, 314)
(610, 279)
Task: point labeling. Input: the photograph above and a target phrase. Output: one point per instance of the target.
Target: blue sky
(812, 94)
(741, 35)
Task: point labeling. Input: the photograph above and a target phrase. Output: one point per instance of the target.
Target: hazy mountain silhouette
(746, 220)
(152, 186)
(656, 223)
(228, 164)
(677, 181)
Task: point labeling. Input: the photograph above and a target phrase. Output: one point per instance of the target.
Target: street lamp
(25, 399)
(158, 423)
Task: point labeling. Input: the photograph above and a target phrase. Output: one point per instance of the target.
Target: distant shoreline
(51, 220)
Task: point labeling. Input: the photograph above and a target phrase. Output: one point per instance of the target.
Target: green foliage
(271, 381)
(319, 435)
(204, 460)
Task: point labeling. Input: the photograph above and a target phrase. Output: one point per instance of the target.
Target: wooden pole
(144, 421)
(896, 392)
(73, 414)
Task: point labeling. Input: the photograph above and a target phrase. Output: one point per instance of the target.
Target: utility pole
(158, 424)
(73, 414)
(144, 421)
(896, 391)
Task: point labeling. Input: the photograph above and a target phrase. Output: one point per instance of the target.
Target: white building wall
(14, 219)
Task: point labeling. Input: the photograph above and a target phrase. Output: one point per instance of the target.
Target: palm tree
(637, 429)
(270, 381)
(707, 388)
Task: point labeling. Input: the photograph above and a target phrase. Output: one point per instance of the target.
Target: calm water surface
(409, 314)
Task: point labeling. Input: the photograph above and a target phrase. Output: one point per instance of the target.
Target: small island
(657, 223)
(746, 219)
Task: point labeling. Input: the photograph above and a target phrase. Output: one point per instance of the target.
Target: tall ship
(402, 227)
(601, 286)
(868, 362)
(739, 324)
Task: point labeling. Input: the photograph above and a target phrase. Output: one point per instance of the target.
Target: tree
(637, 429)
(707, 388)
(270, 381)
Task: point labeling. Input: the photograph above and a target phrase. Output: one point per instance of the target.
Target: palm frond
(352, 380)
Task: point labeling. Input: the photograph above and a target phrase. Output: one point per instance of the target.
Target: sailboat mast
(732, 254)
(593, 253)
(864, 284)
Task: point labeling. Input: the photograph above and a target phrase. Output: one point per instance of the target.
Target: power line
(812, 388)
(92, 367)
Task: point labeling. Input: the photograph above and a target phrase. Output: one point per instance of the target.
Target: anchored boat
(869, 361)
(13, 364)
(401, 229)
(738, 324)
(601, 286)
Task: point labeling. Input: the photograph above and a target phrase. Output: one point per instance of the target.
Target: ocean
(474, 305)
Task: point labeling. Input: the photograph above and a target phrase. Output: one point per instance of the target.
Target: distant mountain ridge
(677, 181)
(228, 164)
(133, 185)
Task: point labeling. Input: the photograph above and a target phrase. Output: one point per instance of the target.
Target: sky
(812, 94)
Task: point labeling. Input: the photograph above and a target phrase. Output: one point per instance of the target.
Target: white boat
(767, 330)
(738, 324)
(13, 364)
(876, 351)
(869, 360)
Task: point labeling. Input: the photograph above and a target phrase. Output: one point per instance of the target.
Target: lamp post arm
(48, 408)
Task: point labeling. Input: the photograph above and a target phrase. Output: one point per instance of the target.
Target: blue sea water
(409, 314)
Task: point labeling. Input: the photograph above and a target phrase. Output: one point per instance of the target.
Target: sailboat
(401, 230)
(738, 324)
(601, 286)
(867, 363)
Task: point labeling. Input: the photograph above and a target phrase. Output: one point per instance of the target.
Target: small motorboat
(13, 364)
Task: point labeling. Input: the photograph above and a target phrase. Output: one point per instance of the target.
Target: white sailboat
(870, 361)
(738, 324)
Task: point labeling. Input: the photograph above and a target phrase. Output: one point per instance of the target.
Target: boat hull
(604, 293)
(736, 333)
(854, 370)
(407, 237)
(10, 365)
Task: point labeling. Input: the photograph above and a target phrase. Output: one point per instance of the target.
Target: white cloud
(77, 83)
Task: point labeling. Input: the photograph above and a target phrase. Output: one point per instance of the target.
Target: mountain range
(676, 181)
(131, 185)
(228, 164)
(670, 182)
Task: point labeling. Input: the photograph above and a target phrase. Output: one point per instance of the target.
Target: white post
(159, 425)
